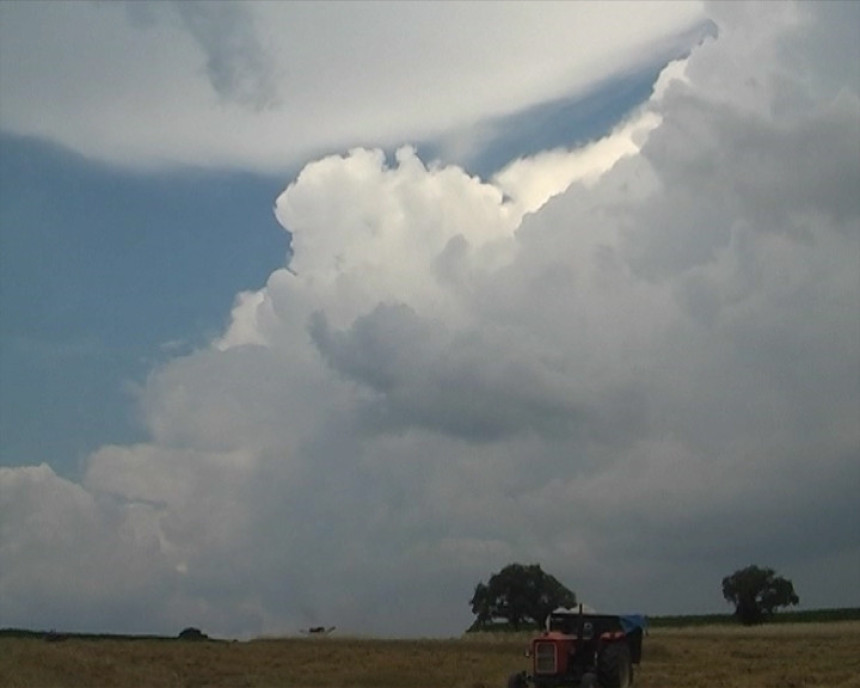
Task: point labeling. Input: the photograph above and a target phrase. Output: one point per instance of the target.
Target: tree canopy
(521, 595)
(757, 593)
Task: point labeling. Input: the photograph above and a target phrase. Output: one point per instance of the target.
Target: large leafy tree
(757, 593)
(521, 595)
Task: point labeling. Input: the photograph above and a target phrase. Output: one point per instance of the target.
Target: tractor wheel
(614, 669)
(589, 681)
(517, 681)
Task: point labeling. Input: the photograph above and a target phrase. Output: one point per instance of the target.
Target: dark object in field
(319, 630)
(53, 637)
(192, 634)
(580, 650)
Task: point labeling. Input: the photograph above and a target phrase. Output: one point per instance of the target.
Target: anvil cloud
(264, 86)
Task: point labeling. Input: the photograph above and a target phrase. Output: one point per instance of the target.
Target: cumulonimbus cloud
(641, 380)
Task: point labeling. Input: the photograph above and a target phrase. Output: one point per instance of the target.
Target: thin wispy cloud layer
(636, 362)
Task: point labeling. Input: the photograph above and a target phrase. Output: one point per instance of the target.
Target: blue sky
(319, 313)
(105, 273)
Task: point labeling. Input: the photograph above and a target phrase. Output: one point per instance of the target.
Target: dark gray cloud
(463, 384)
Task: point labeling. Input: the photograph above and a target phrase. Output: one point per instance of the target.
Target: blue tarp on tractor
(632, 622)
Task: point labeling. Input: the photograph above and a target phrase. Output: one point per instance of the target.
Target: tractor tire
(518, 681)
(589, 681)
(614, 668)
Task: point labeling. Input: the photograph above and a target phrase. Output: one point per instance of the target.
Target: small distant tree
(192, 633)
(521, 595)
(757, 593)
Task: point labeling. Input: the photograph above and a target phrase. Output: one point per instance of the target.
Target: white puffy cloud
(643, 381)
(68, 557)
(263, 86)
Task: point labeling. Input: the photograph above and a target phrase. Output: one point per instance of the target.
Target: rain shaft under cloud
(642, 381)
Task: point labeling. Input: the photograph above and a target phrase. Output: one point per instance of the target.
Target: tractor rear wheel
(517, 681)
(589, 680)
(614, 668)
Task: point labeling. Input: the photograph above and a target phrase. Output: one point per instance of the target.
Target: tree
(519, 594)
(192, 633)
(757, 593)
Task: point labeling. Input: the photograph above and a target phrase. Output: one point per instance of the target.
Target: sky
(321, 313)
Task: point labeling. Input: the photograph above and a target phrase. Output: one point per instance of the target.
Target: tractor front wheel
(614, 668)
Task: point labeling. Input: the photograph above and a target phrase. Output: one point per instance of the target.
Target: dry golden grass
(785, 656)
(778, 656)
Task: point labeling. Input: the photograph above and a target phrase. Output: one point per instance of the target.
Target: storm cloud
(643, 380)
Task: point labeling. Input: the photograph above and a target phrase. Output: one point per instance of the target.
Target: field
(772, 656)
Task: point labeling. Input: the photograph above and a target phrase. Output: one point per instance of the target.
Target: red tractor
(579, 650)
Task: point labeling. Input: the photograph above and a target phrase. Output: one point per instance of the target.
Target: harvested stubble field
(785, 656)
